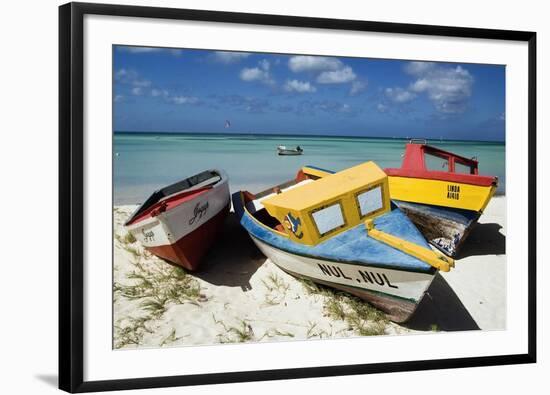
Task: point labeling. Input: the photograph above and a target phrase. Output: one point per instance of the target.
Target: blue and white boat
(341, 230)
(284, 150)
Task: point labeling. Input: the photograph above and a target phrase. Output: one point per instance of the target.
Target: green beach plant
(240, 333)
(132, 333)
(129, 238)
(360, 316)
(170, 339)
(275, 283)
(157, 285)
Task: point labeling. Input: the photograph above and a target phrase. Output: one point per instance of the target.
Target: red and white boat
(181, 221)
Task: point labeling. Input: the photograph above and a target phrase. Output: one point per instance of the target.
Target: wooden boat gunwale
(173, 191)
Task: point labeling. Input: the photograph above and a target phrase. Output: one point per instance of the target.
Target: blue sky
(173, 90)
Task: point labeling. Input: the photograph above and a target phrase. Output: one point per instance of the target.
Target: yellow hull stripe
(441, 193)
(433, 258)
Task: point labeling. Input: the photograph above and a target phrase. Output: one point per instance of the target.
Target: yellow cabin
(317, 210)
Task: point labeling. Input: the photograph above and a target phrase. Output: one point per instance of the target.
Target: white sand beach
(240, 296)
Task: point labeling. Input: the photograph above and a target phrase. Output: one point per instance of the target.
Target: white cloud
(229, 57)
(264, 64)
(252, 74)
(156, 92)
(448, 88)
(418, 68)
(299, 86)
(399, 95)
(333, 106)
(174, 99)
(123, 75)
(328, 70)
(131, 77)
(184, 99)
(159, 92)
(260, 74)
(341, 76)
(381, 107)
(141, 83)
(420, 85)
(357, 87)
(119, 98)
(138, 87)
(313, 63)
(502, 117)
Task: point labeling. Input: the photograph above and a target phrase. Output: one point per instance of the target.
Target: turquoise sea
(144, 162)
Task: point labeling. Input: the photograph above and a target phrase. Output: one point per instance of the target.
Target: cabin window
(436, 163)
(370, 201)
(462, 168)
(328, 219)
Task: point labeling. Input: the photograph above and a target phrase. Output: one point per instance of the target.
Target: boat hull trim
(395, 292)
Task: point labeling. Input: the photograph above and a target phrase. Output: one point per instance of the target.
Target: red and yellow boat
(441, 192)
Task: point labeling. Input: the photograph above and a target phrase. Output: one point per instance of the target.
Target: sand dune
(240, 296)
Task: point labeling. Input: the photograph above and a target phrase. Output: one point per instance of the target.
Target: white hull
(360, 279)
(285, 152)
(282, 150)
(172, 225)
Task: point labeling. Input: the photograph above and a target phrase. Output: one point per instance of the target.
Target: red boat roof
(414, 166)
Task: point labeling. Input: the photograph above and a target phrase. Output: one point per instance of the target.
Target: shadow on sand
(484, 239)
(233, 259)
(442, 308)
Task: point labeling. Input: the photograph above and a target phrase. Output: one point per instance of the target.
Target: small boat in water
(341, 230)
(181, 221)
(441, 192)
(284, 150)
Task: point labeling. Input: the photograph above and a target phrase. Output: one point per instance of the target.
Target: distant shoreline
(289, 135)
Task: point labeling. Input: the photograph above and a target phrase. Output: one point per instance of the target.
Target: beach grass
(313, 330)
(274, 282)
(156, 285)
(360, 316)
(129, 238)
(276, 288)
(132, 333)
(170, 339)
(240, 333)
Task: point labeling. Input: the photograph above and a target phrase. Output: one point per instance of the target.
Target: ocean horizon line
(237, 134)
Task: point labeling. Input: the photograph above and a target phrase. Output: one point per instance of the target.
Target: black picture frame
(71, 172)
